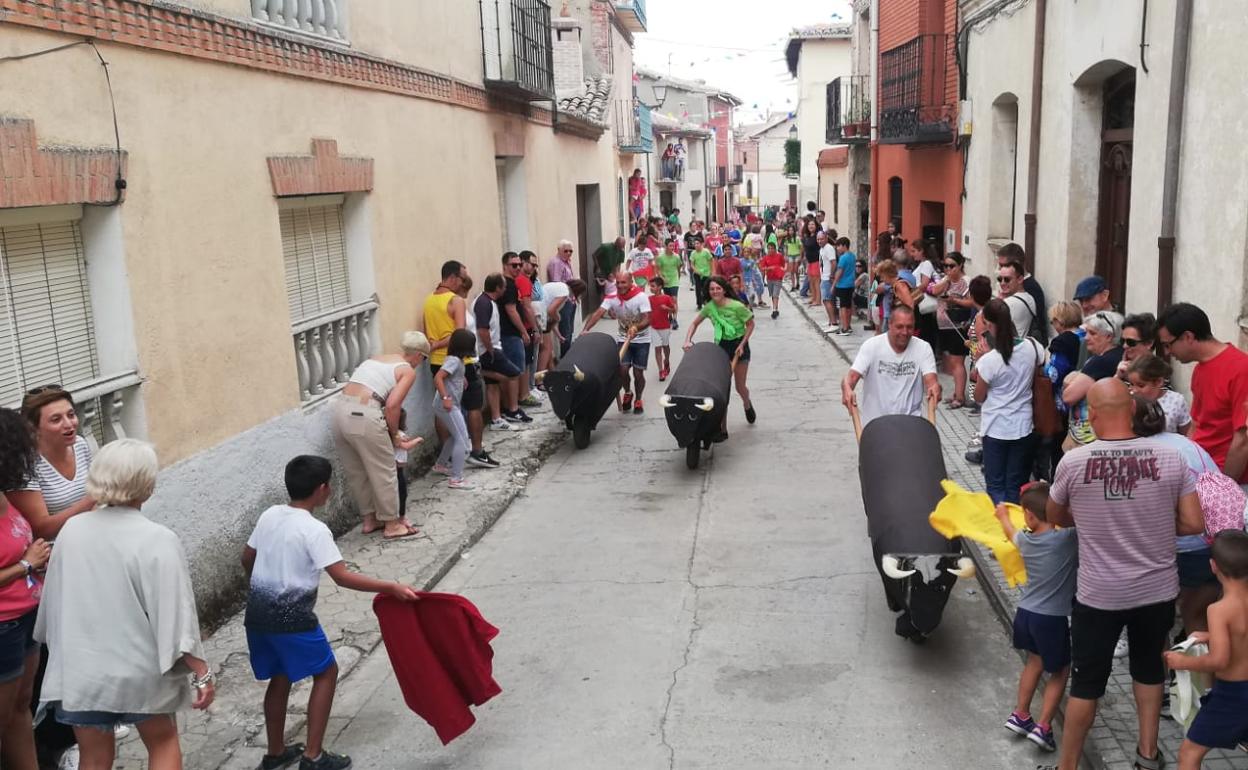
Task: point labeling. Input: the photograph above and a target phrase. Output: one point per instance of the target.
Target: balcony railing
(632, 14)
(517, 49)
(633, 130)
(849, 110)
(914, 104)
(323, 18)
(105, 406)
(717, 176)
(671, 171)
(328, 347)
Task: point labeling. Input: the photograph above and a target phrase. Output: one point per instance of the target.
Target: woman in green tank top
(733, 323)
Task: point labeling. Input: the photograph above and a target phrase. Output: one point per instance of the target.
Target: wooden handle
(624, 349)
(857, 418)
(931, 410)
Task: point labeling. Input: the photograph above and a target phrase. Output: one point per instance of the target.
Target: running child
(662, 321)
(450, 382)
(1222, 721)
(773, 267)
(670, 266)
(283, 561)
(1041, 629)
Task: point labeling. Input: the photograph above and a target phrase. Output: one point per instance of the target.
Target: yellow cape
(971, 515)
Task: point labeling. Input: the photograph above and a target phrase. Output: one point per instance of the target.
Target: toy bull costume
(585, 384)
(900, 466)
(697, 397)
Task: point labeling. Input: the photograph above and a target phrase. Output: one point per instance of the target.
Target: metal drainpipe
(1033, 142)
(1174, 144)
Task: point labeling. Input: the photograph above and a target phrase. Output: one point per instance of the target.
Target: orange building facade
(916, 176)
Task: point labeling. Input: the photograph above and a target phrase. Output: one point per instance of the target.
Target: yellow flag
(971, 515)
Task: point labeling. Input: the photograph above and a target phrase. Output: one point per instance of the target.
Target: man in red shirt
(662, 311)
(1219, 386)
(728, 265)
(773, 266)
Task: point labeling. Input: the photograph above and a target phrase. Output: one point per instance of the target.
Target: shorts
(730, 347)
(513, 349)
(434, 369)
(1094, 633)
(773, 288)
(845, 298)
(825, 290)
(498, 363)
(664, 335)
(1223, 717)
(17, 641)
(105, 721)
(812, 270)
(638, 355)
(1194, 569)
(1045, 635)
(474, 391)
(950, 342)
(295, 656)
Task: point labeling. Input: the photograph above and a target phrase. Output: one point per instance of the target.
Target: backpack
(1221, 499)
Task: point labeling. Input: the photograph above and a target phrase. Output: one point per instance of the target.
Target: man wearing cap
(1092, 294)
(1012, 252)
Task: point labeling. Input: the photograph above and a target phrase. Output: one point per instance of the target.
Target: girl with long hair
(953, 314)
(733, 322)
(1005, 376)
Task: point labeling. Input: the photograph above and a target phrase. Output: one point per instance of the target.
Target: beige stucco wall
(200, 222)
(836, 212)
(821, 61)
(1213, 192)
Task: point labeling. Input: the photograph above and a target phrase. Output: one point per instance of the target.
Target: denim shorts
(638, 355)
(105, 721)
(513, 349)
(16, 643)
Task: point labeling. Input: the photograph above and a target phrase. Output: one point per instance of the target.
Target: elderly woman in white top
(366, 431)
(118, 616)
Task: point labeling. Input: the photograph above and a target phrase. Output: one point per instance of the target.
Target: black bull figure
(585, 384)
(697, 397)
(901, 466)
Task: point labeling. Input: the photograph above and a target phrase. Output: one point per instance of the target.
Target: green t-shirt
(669, 268)
(701, 261)
(729, 321)
(793, 247)
(772, 239)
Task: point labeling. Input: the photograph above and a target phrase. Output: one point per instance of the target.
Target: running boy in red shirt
(773, 266)
(662, 311)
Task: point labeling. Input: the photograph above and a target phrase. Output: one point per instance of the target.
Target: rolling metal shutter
(47, 333)
(315, 256)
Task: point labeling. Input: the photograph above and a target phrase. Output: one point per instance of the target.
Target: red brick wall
(321, 172)
(32, 176)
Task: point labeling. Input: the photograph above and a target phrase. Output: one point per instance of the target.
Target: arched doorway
(1114, 209)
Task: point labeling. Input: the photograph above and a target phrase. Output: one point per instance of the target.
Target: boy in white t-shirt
(284, 558)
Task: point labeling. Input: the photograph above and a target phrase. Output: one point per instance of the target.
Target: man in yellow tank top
(444, 313)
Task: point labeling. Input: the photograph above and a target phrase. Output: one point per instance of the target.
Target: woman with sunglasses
(953, 314)
(1139, 338)
(1104, 342)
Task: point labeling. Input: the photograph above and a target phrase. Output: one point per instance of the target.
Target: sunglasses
(1132, 343)
(950, 265)
(1004, 279)
(43, 389)
(514, 264)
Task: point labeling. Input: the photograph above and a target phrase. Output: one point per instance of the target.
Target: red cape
(440, 650)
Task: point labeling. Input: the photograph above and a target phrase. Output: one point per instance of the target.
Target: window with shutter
(47, 333)
(315, 256)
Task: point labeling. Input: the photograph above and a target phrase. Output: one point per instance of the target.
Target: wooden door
(1114, 210)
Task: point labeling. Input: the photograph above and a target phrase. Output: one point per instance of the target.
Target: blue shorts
(1194, 569)
(105, 721)
(638, 355)
(1045, 635)
(513, 348)
(825, 291)
(295, 656)
(17, 642)
(1222, 720)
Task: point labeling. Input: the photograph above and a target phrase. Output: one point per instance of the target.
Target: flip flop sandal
(1144, 763)
(411, 532)
(956, 404)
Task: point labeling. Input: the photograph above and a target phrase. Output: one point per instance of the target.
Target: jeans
(455, 449)
(567, 320)
(1007, 467)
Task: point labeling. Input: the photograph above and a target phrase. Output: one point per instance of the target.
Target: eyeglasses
(513, 264)
(43, 389)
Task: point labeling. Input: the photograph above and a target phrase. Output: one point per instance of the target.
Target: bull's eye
(567, 388)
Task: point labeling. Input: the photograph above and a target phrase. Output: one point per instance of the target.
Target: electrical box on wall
(964, 117)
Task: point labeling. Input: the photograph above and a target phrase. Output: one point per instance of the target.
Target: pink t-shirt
(1123, 496)
(22, 595)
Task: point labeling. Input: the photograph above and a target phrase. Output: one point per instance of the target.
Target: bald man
(1129, 497)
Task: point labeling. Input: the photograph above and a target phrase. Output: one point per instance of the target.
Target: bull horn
(665, 401)
(706, 404)
(892, 568)
(965, 568)
(540, 376)
(577, 374)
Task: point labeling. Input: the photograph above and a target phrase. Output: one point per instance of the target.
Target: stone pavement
(229, 735)
(1112, 740)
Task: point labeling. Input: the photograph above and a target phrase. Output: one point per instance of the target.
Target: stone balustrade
(325, 18)
(329, 346)
(103, 406)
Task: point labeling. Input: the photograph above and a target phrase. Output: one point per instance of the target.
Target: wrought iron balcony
(632, 14)
(516, 48)
(633, 130)
(915, 105)
(849, 110)
(717, 176)
(737, 174)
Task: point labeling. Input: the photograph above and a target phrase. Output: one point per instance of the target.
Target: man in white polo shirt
(897, 369)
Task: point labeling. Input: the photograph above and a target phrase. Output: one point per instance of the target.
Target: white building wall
(820, 62)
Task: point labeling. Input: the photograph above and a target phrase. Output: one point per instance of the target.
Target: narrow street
(729, 617)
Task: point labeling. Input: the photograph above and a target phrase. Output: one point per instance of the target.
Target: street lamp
(660, 95)
(793, 131)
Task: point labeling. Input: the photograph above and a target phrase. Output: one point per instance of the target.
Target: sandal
(955, 403)
(1144, 763)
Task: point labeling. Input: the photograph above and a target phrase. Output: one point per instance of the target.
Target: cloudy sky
(737, 45)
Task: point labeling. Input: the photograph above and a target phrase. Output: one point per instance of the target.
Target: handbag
(927, 304)
(1221, 499)
(1043, 408)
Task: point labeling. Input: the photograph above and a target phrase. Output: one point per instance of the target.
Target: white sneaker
(499, 423)
(121, 731)
(69, 760)
(461, 484)
(831, 329)
(1121, 650)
